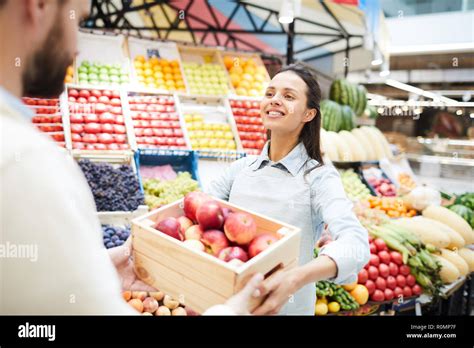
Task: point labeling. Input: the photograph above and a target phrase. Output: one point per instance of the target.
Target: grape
(114, 238)
(119, 242)
(106, 240)
(110, 245)
(124, 236)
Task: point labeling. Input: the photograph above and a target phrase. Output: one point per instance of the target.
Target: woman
(289, 181)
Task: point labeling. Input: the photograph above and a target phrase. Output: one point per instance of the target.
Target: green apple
(83, 69)
(114, 78)
(124, 78)
(103, 77)
(114, 72)
(94, 70)
(93, 82)
(85, 63)
(93, 76)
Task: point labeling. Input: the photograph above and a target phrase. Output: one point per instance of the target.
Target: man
(52, 260)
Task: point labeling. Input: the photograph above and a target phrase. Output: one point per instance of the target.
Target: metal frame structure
(106, 15)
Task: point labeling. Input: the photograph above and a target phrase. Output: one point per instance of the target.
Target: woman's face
(283, 108)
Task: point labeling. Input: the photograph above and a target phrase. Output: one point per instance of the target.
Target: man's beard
(46, 70)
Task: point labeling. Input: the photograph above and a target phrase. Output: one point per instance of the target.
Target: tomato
(416, 290)
(239, 104)
(115, 102)
(175, 124)
(105, 138)
(232, 103)
(89, 138)
(150, 140)
(167, 132)
(370, 285)
(411, 280)
(77, 128)
(107, 93)
(73, 93)
(378, 296)
(138, 132)
(119, 129)
(404, 270)
(141, 140)
(113, 147)
(380, 244)
(76, 137)
(116, 110)
(170, 109)
(384, 270)
(104, 99)
(180, 142)
(89, 147)
(161, 141)
(393, 269)
(84, 93)
(374, 260)
(396, 257)
(76, 118)
(120, 138)
(71, 99)
(92, 128)
(107, 128)
(388, 294)
(100, 108)
(96, 93)
(380, 283)
(171, 141)
(107, 117)
(78, 146)
(100, 147)
(407, 291)
(384, 257)
(398, 291)
(401, 281)
(92, 99)
(391, 282)
(178, 132)
(56, 119)
(362, 277)
(373, 272)
(91, 118)
(120, 120)
(123, 146)
(82, 100)
(148, 132)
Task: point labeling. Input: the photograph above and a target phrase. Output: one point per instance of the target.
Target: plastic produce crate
(180, 160)
(199, 279)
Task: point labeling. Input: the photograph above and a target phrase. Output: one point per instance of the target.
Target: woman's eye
(268, 94)
(289, 97)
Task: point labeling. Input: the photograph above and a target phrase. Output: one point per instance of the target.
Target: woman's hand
(120, 257)
(279, 287)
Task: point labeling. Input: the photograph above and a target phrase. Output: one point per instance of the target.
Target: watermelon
(348, 118)
(331, 115)
(344, 99)
(464, 212)
(362, 96)
(335, 92)
(466, 199)
(371, 111)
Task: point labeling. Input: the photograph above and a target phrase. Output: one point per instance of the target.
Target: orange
(140, 58)
(350, 287)
(360, 294)
(176, 70)
(247, 77)
(138, 65)
(249, 70)
(146, 65)
(167, 70)
(168, 76)
(148, 72)
(235, 79)
(236, 69)
(164, 63)
(153, 61)
(70, 71)
(244, 84)
(157, 68)
(174, 63)
(229, 62)
(241, 91)
(177, 76)
(158, 75)
(68, 79)
(169, 83)
(179, 83)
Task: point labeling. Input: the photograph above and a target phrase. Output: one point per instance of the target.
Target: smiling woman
(289, 181)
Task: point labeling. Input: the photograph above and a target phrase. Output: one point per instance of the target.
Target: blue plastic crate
(180, 160)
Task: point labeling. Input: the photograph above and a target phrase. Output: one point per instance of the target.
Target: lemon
(334, 307)
(321, 309)
(322, 300)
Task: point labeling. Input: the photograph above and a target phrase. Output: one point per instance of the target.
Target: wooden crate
(197, 279)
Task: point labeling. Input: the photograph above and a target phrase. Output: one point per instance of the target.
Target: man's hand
(239, 303)
(121, 258)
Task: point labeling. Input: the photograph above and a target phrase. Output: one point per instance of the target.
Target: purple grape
(110, 245)
(114, 238)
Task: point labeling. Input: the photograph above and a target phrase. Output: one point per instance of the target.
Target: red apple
(171, 227)
(192, 201)
(260, 243)
(231, 253)
(194, 244)
(193, 232)
(214, 241)
(240, 228)
(209, 215)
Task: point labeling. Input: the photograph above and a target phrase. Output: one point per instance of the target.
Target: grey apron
(276, 193)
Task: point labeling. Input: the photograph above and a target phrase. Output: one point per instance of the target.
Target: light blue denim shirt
(297, 191)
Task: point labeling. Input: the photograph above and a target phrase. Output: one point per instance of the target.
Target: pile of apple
(96, 120)
(47, 117)
(247, 76)
(385, 276)
(206, 79)
(97, 73)
(155, 122)
(249, 124)
(206, 135)
(159, 73)
(208, 227)
(154, 303)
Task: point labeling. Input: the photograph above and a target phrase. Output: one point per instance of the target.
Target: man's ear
(309, 115)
